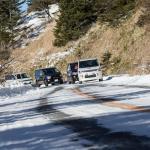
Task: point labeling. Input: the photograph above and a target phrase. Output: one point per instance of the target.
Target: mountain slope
(128, 45)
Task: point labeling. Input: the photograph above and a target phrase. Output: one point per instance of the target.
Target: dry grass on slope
(128, 44)
(31, 56)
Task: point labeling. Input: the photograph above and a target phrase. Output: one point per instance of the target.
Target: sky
(24, 7)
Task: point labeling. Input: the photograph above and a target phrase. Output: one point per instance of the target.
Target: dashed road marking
(112, 102)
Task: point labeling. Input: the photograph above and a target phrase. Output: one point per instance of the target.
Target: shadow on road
(98, 136)
(103, 138)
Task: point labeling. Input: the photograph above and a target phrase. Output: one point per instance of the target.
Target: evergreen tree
(112, 11)
(75, 17)
(9, 16)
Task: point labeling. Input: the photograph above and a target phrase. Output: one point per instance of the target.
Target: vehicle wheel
(46, 83)
(36, 84)
(100, 80)
(73, 81)
(53, 83)
(69, 80)
(61, 81)
(80, 82)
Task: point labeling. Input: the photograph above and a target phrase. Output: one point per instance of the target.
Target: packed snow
(138, 80)
(31, 117)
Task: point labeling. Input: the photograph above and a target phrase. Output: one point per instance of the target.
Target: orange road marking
(114, 103)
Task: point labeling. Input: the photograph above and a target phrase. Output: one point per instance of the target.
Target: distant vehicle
(72, 72)
(10, 77)
(89, 69)
(24, 78)
(48, 76)
(19, 77)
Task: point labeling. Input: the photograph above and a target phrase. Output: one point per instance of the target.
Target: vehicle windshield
(50, 71)
(88, 63)
(74, 67)
(9, 77)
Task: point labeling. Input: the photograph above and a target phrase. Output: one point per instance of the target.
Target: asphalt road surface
(98, 137)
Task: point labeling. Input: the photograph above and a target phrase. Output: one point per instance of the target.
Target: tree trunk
(48, 14)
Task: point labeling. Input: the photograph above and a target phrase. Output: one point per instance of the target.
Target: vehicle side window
(76, 67)
(24, 75)
(9, 77)
(38, 74)
(41, 73)
(68, 69)
(18, 76)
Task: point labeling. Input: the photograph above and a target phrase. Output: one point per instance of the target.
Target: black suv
(72, 72)
(48, 76)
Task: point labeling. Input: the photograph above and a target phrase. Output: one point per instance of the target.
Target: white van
(88, 70)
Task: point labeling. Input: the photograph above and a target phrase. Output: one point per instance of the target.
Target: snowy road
(91, 116)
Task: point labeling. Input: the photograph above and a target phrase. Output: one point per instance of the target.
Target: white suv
(24, 78)
(19, 78)
(88, 70)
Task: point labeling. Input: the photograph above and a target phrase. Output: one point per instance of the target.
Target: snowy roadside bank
(23, 92)
(121, 80)
(127, 80)
(14, 91)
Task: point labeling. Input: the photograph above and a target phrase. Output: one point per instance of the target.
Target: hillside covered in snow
(32, 24)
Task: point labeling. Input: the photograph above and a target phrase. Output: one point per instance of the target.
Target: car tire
(100, 80)
(45, 83)
(53, 83)
(61, 81)
(80, 82)
(37, 85)
(73, 82)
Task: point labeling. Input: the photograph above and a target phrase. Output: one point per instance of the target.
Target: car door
(69, 71)
(39, 75)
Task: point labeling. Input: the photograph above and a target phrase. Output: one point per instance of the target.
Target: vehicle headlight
(48, 77)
